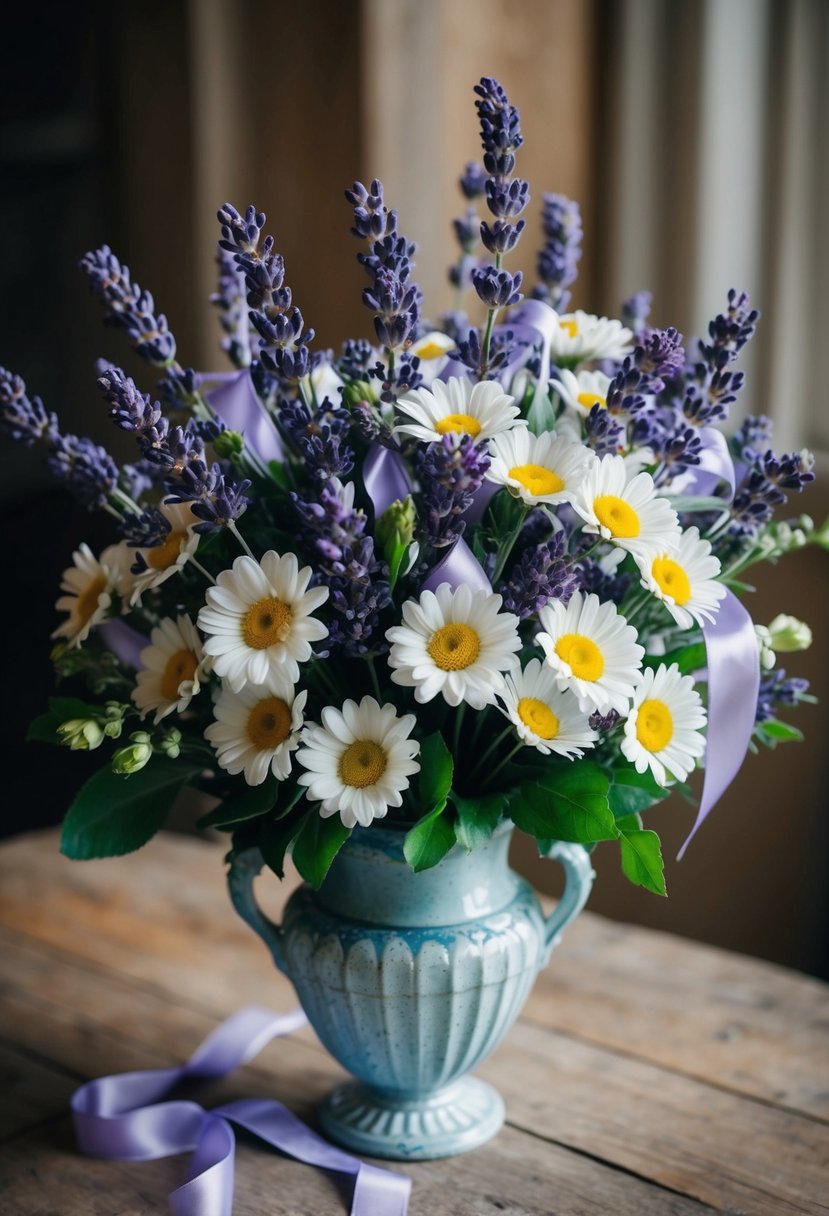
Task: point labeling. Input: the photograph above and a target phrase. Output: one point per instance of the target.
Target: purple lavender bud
(604, 723)
(500, 237)
(146, 530)
(558, 260)
(467, 230)
(500, 127)
(129, 408)
(592, 579)
(604, 433)
(507, 199)
(729, 331)
(473, 180)
(776, 689)
(87, 468)
(24, 419)
(469, 352)
(497, 288)
(449, 471)
(659, 354)
(635, 312)
(622, 396)
(128, 307)
(229, 300)
(213, 497)
(753, 437)
(543, 573)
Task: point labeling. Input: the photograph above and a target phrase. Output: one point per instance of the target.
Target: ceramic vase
(410, 980)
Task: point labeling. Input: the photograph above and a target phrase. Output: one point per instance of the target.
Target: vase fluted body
(411, 979)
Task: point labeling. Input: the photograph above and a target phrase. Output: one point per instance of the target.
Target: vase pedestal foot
(460, 1117)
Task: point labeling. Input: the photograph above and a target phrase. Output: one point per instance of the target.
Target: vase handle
(244, 867)
(579, 876)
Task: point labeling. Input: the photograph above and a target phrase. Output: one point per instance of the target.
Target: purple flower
(129, 308)
(321, 436)
(129, 408)
(497, 288)
(473, 180)
(558, 260)
(23, 418)
(543, 573)
(500, 127)
(659, 354)
(213, 497)
(753, 437)
(358, 595)
(776, 689)
(86, 467)
(635, 312)
(764, 487)
(449, 471)
(604, 433)
(230, 302)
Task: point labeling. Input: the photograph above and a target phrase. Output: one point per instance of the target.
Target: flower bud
(397, 523)
(171, 743)
(81, 734)
(131, 759)
(228, 444)
(788, 634)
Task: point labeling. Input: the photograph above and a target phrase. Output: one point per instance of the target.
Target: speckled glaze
(410, 980)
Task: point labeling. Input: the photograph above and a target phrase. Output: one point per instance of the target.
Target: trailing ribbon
(236, 403)
(123, 1118)
(459, 567)
(385, 477)
(125, 642)
(715, 466)
(733, 684)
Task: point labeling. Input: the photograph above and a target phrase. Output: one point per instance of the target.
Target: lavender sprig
(129, 308)
(450, 471)
(24, 419)
(558, 260)
(543, 573)
(229, 300)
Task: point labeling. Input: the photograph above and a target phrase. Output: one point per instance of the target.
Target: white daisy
(538, 468)
(119, 558)
(456, 643)
(662, 729)
(326, 383)
(88, 585)
(626, 512)
(359, 761)
(684, 579)
(582, 391)
(580, 336)
(257, 728)
(545, 716)
(168, 558)
(433, 352)
(172, 664)
(259, 619)
(458, 407)
(591, 650)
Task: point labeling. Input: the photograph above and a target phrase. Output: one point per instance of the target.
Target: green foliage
(248, 803)
(566, 804)
(477, 818)
(642, 860)
(61, 709)
(316, 845)
(687, 658)
(772, 732)
(429, 840)
(436, 769)
(632, 792)
(113, 815)
(540, 417)
(275, 837)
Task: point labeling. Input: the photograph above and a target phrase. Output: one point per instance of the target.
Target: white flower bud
(788, 634)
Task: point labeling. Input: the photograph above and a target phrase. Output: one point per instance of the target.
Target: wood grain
(624, 1094)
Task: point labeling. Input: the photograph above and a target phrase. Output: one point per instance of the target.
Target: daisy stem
(488, 779)
(202, 570)
(456, 736)
(128, 503)
(113, 511)
(506, 546)
(492, 747)
(232, 527)
(375, 683)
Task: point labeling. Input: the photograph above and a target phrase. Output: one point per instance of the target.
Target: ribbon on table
(733, 685)
(125, 642)
(123, 1118)
(236, 402)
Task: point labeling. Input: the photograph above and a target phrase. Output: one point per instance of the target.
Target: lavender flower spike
(128, 307)
(558, 260)
(23, 418)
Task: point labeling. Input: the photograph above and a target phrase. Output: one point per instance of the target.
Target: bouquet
(481, 568)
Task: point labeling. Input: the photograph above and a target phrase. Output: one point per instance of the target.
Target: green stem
(375, 683)
(492, 747)
(202, 570)
(490, 325)
(490, 776)
(506, 546)
(232, 527)
(456, 737)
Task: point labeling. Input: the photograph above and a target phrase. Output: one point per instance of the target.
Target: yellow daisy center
(538, 717)
(180, 666)
(430, 350)
(269, 723)
(571, 328)
(617, 516)
(582, 656)
(454, 647)
(588, 400)
(266, 622)
(362, 764)
(465, 424)
(654, 725)
(88, 599)
(164, 555)
(537, 479)
(671, 579)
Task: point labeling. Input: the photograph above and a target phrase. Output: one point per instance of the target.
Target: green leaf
(571, 804)
(435, 772)
(689, 502)
(279, 473)
(251, 801)
(540, 417)
(113, 815)
(61, 709)
(633, 792)
(780, 732)
(642, 856)
(687, 658)
(317, 844)
(477, 818)
(275, 836)
(429, 840)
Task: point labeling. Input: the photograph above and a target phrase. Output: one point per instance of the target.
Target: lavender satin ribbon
(123, 1118)
(459, 567)
(125, 642)
(733, 684)
(236, 403)
(385, 477)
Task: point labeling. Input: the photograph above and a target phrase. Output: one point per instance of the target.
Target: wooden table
(647, 1074)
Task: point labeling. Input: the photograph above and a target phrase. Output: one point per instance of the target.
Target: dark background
(96, 144)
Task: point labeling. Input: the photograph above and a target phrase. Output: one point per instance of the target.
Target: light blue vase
(410, 980)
